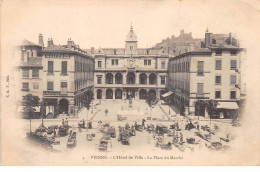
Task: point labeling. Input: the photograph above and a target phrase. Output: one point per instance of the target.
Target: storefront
(227, 110)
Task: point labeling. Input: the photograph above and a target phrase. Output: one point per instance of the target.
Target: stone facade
(130, 71)
(212, 73)
(68, 75)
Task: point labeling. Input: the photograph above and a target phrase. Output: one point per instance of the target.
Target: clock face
(131, 62)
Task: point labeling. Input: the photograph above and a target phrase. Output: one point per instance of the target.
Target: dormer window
(147, 51)
(218, 52)
(114, 51)
(214, 41)
(233, 52)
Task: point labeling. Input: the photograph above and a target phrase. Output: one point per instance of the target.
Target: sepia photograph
(130, 83)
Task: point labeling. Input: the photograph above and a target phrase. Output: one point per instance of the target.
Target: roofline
(66, 51)
(226, 48)
(193, 53)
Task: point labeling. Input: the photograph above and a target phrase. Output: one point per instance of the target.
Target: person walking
(143, 123)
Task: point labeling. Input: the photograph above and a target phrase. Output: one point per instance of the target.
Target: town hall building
(126, 72)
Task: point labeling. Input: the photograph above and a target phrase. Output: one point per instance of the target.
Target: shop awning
(167, 94)
(227, 105)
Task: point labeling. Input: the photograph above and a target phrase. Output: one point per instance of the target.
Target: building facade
(211, 73)
(68, 77)
(130, 71)
(30, 70)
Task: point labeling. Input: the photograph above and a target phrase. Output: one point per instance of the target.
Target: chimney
(24, 58)
(92, 50)
(41, 40)
(49, 42)
(207, 38)
(69, 43)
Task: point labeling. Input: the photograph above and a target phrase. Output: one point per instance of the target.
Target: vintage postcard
(140, 82)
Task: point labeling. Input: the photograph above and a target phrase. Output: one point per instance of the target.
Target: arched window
(152, 79)
(109, 78)
(131, 78)
(119, 78)
(143, 78)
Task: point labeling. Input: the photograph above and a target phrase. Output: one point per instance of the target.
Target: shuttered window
(50, 67)
(233, 64)
(64, 67)
(99, 63)
(200, 67)
(35, 73)
(218, 80)
(25, 85)
(200, 88)
(218, 64)
(217, 94)
(233, 80)
(232, 94)
(25, 73)
(49, 85)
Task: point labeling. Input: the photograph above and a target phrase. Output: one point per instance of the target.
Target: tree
(151, 100)
(211, 107)
(87, 99)
(200, 104)
(29, 103)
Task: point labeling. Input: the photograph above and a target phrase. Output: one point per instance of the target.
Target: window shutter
(200, 67)
(233, 79)
(200, 88)
(218, 64)
(50, 66)
(233, 64)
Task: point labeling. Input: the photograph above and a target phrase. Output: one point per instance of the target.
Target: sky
(106, 23)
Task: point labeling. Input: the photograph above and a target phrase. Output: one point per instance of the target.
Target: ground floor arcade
(190, 106)
(125, 93)
(69, 104)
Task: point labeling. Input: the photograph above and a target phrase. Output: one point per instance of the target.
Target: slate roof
(201, 51)
(56, 48)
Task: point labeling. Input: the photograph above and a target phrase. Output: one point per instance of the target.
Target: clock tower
(131, 43)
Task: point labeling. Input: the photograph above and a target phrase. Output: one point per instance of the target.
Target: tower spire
(131, 27)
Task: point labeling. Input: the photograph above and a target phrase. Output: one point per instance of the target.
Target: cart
(72, 140)
(124, 137)
(104, 144)
(111, 132)
(190, 140)
(161, 129)
(63, 130)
